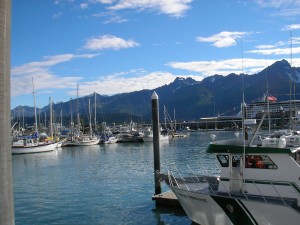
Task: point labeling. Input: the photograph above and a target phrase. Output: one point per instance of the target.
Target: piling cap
(154, 95)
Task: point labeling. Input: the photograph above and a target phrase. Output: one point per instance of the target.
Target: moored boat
(82, 141)
(111, 140)
(258, 182)
(29, 145)
(148, 135)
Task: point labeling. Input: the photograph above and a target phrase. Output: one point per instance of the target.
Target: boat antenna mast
(291, 78)
(243, 117)
(267, 97)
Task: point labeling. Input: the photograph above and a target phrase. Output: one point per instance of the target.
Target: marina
(230, 156)
(100, 184)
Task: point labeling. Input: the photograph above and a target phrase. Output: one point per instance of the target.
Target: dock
(167, 199)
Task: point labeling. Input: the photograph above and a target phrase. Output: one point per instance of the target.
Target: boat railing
(204, 178)
(279, 194)
(183, 180)
(294, 194)
(176, 181)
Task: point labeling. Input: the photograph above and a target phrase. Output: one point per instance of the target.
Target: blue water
(100, 184)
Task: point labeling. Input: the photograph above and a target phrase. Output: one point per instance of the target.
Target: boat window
(259, 162)
(296, 157)
(223, 160)
(236, 161)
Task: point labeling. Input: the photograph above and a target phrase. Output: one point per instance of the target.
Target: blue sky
(118, 46)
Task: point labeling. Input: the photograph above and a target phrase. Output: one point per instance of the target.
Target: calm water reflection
(100, 184)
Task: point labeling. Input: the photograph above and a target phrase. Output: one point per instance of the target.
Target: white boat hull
(111, 140)
(81, 143)
(161, 138)
(59, 144)
(34, 149)
(205, 209)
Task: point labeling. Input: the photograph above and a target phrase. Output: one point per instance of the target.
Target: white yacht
(258, 182)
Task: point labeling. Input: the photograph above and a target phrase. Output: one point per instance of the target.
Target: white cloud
(33, 67)
(223, 39)
(43, 78)
(115, 19)
(105, 1)
(276, 51)
(225, 67)
(124, 82)
(292, 27)
(57, 15)
(139, 79)
(109, 42)
(283, 8)
(264, 46)
(277, 3)
(84, 5)
(175, 8)
(44, 81)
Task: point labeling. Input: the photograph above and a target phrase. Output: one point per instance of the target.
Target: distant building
(276, 109)
(280, 113)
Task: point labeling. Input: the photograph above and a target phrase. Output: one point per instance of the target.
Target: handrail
(196, 179)
(259, 191)
(279, 194)
(204, 179)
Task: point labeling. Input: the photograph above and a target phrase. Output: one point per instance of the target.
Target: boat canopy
(234, 149)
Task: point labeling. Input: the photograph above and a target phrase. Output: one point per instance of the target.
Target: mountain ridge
(191, 99)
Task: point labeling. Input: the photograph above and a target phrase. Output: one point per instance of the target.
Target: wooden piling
(156, 150)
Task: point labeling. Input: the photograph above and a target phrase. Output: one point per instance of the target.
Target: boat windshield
(296, 156)
(224, 160)
(259, 162)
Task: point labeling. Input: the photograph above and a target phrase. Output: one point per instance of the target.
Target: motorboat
(255, 181)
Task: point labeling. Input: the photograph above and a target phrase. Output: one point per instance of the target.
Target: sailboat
(173, 132)
(32, 143)
(82, 139)
(88, 139)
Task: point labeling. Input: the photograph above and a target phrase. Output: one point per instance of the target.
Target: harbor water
(101, 184)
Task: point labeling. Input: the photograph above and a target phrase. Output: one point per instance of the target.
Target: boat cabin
(267, 167)
(27, 142)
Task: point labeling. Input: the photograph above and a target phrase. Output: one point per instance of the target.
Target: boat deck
(209, 185)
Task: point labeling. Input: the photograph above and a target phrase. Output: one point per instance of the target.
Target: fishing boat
(257, 182)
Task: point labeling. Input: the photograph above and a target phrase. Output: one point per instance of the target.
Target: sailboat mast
(165, 117)
(174, 121)
(35, 118)
(90, 118)
(23, 119)
(78, 119)
(51, 123)
(61, 119)
(72, 124)
(95, 119)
